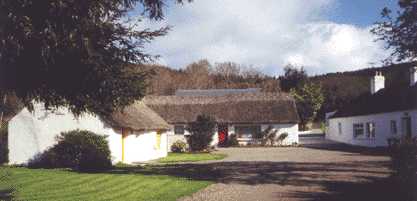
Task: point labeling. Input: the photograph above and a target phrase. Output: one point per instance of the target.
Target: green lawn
(45, 185)
(190, 157)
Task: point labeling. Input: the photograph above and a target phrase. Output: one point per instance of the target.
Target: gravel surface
(327, 172)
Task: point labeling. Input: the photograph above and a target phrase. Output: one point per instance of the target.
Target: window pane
(370, 130)
(179, 130)
(358, 130)
(247, 131)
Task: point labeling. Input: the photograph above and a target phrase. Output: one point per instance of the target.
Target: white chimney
(413, 76)
(377, 82)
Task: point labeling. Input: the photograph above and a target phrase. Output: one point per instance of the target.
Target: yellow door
(158, 140)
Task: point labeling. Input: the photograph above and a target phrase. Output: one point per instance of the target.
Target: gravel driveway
(300, 173)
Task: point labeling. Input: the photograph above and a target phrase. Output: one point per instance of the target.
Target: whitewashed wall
(143, 147)
(291, 129)
(32, 133)
(173, 138)
(382, 128)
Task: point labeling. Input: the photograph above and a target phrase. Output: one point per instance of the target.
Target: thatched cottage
(245, 113)
(136, 134)
(146, 129)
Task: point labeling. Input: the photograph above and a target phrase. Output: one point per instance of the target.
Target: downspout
(123, 145)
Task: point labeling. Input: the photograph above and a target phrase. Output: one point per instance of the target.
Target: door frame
(222, 129)
(407, 128)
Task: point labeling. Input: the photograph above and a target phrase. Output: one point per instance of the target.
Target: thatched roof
(234, 108)
(138, 117)
(386, 100)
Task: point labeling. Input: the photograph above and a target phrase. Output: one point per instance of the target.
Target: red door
(222, 133)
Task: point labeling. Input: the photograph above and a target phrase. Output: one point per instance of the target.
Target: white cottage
(137, 134)
(241, 112)
(384, 113)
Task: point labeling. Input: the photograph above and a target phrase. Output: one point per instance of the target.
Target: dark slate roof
(386, 100)
(232, 108)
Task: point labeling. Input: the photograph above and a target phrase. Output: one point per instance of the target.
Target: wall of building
(291, 129)
(382, 128)
(172, 138)
(141, 146)
(32, 133)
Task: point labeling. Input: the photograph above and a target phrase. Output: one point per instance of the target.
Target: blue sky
(320, 35)
(360, 12)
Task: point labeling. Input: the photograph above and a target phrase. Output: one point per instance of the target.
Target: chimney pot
(377, 82)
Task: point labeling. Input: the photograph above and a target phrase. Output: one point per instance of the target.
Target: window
(394, 129)
(247, 131)
(358, 130)
(339, 126)
(179, 129)
(370, 130)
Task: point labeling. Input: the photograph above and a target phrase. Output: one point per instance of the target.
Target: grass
(65, 185)
(190, 157)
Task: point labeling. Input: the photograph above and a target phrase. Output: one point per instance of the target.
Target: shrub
(178, 147)
(232, 141)
(79, 150)
(282, 137)
(4, 150)
(404, 166)
(201, 132)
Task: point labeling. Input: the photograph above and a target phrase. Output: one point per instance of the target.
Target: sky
(320, 35)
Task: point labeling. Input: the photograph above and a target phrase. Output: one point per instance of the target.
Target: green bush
(403, 154)
(4, 150)
(79, 150)
(201, 133)
(232, 141)
(179, 146)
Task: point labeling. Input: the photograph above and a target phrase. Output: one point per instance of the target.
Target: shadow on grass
(6, 187)
(6, 194)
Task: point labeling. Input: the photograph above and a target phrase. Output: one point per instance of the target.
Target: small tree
(398, 31)
(309, 99)
(4, 150)
(403, 154)
(202, 131)
(293, 77)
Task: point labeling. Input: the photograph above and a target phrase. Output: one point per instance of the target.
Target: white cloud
(267, 33)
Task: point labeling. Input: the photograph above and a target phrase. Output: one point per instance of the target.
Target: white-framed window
(247, 131)
(179, 129)
(339, 128)
(394, 128)
(370, 130)
(358, 130)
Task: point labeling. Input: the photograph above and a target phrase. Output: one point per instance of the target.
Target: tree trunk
(2, 111)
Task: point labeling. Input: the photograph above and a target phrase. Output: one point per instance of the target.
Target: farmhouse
(134, 135)
(242, 112)
(141, 131)
(383, 114)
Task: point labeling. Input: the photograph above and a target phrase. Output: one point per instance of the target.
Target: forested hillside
(342, 88)
(338, 88)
